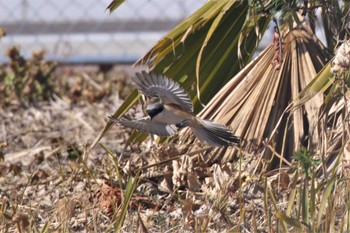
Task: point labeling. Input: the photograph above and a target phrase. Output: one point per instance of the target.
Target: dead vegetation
(50, 180)
(45, 181)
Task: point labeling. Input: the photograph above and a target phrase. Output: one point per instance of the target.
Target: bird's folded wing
(149, 126)
(167, 90)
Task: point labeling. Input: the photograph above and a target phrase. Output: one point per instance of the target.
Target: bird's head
(154, 109)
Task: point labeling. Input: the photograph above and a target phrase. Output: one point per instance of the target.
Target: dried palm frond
(254, 100)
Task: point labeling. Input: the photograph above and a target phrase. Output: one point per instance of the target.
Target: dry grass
(45, 177)
(50, 182)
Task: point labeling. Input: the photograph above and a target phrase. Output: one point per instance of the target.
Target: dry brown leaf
(66, 208)
(22, 222)
(281, 183)
(193, 183)
(166, 184)
(109, 198)
(187, 211)
(184, 174)
(16, 168)
(222, 178)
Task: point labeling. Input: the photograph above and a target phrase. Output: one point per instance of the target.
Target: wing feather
(148, 126)
(167, 90)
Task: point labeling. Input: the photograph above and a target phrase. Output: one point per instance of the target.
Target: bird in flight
(174, 111)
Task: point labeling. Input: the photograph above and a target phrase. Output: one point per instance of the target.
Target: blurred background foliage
(26, 81)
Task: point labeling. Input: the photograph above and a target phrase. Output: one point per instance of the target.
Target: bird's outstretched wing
(148, 126)
(167, 90)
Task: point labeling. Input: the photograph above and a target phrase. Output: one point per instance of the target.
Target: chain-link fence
(83, 31)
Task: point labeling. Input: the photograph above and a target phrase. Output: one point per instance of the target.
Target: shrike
(174, 111)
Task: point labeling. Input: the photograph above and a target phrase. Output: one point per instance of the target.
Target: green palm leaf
(205, 50)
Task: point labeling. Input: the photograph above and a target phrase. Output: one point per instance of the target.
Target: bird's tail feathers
(215, 134)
